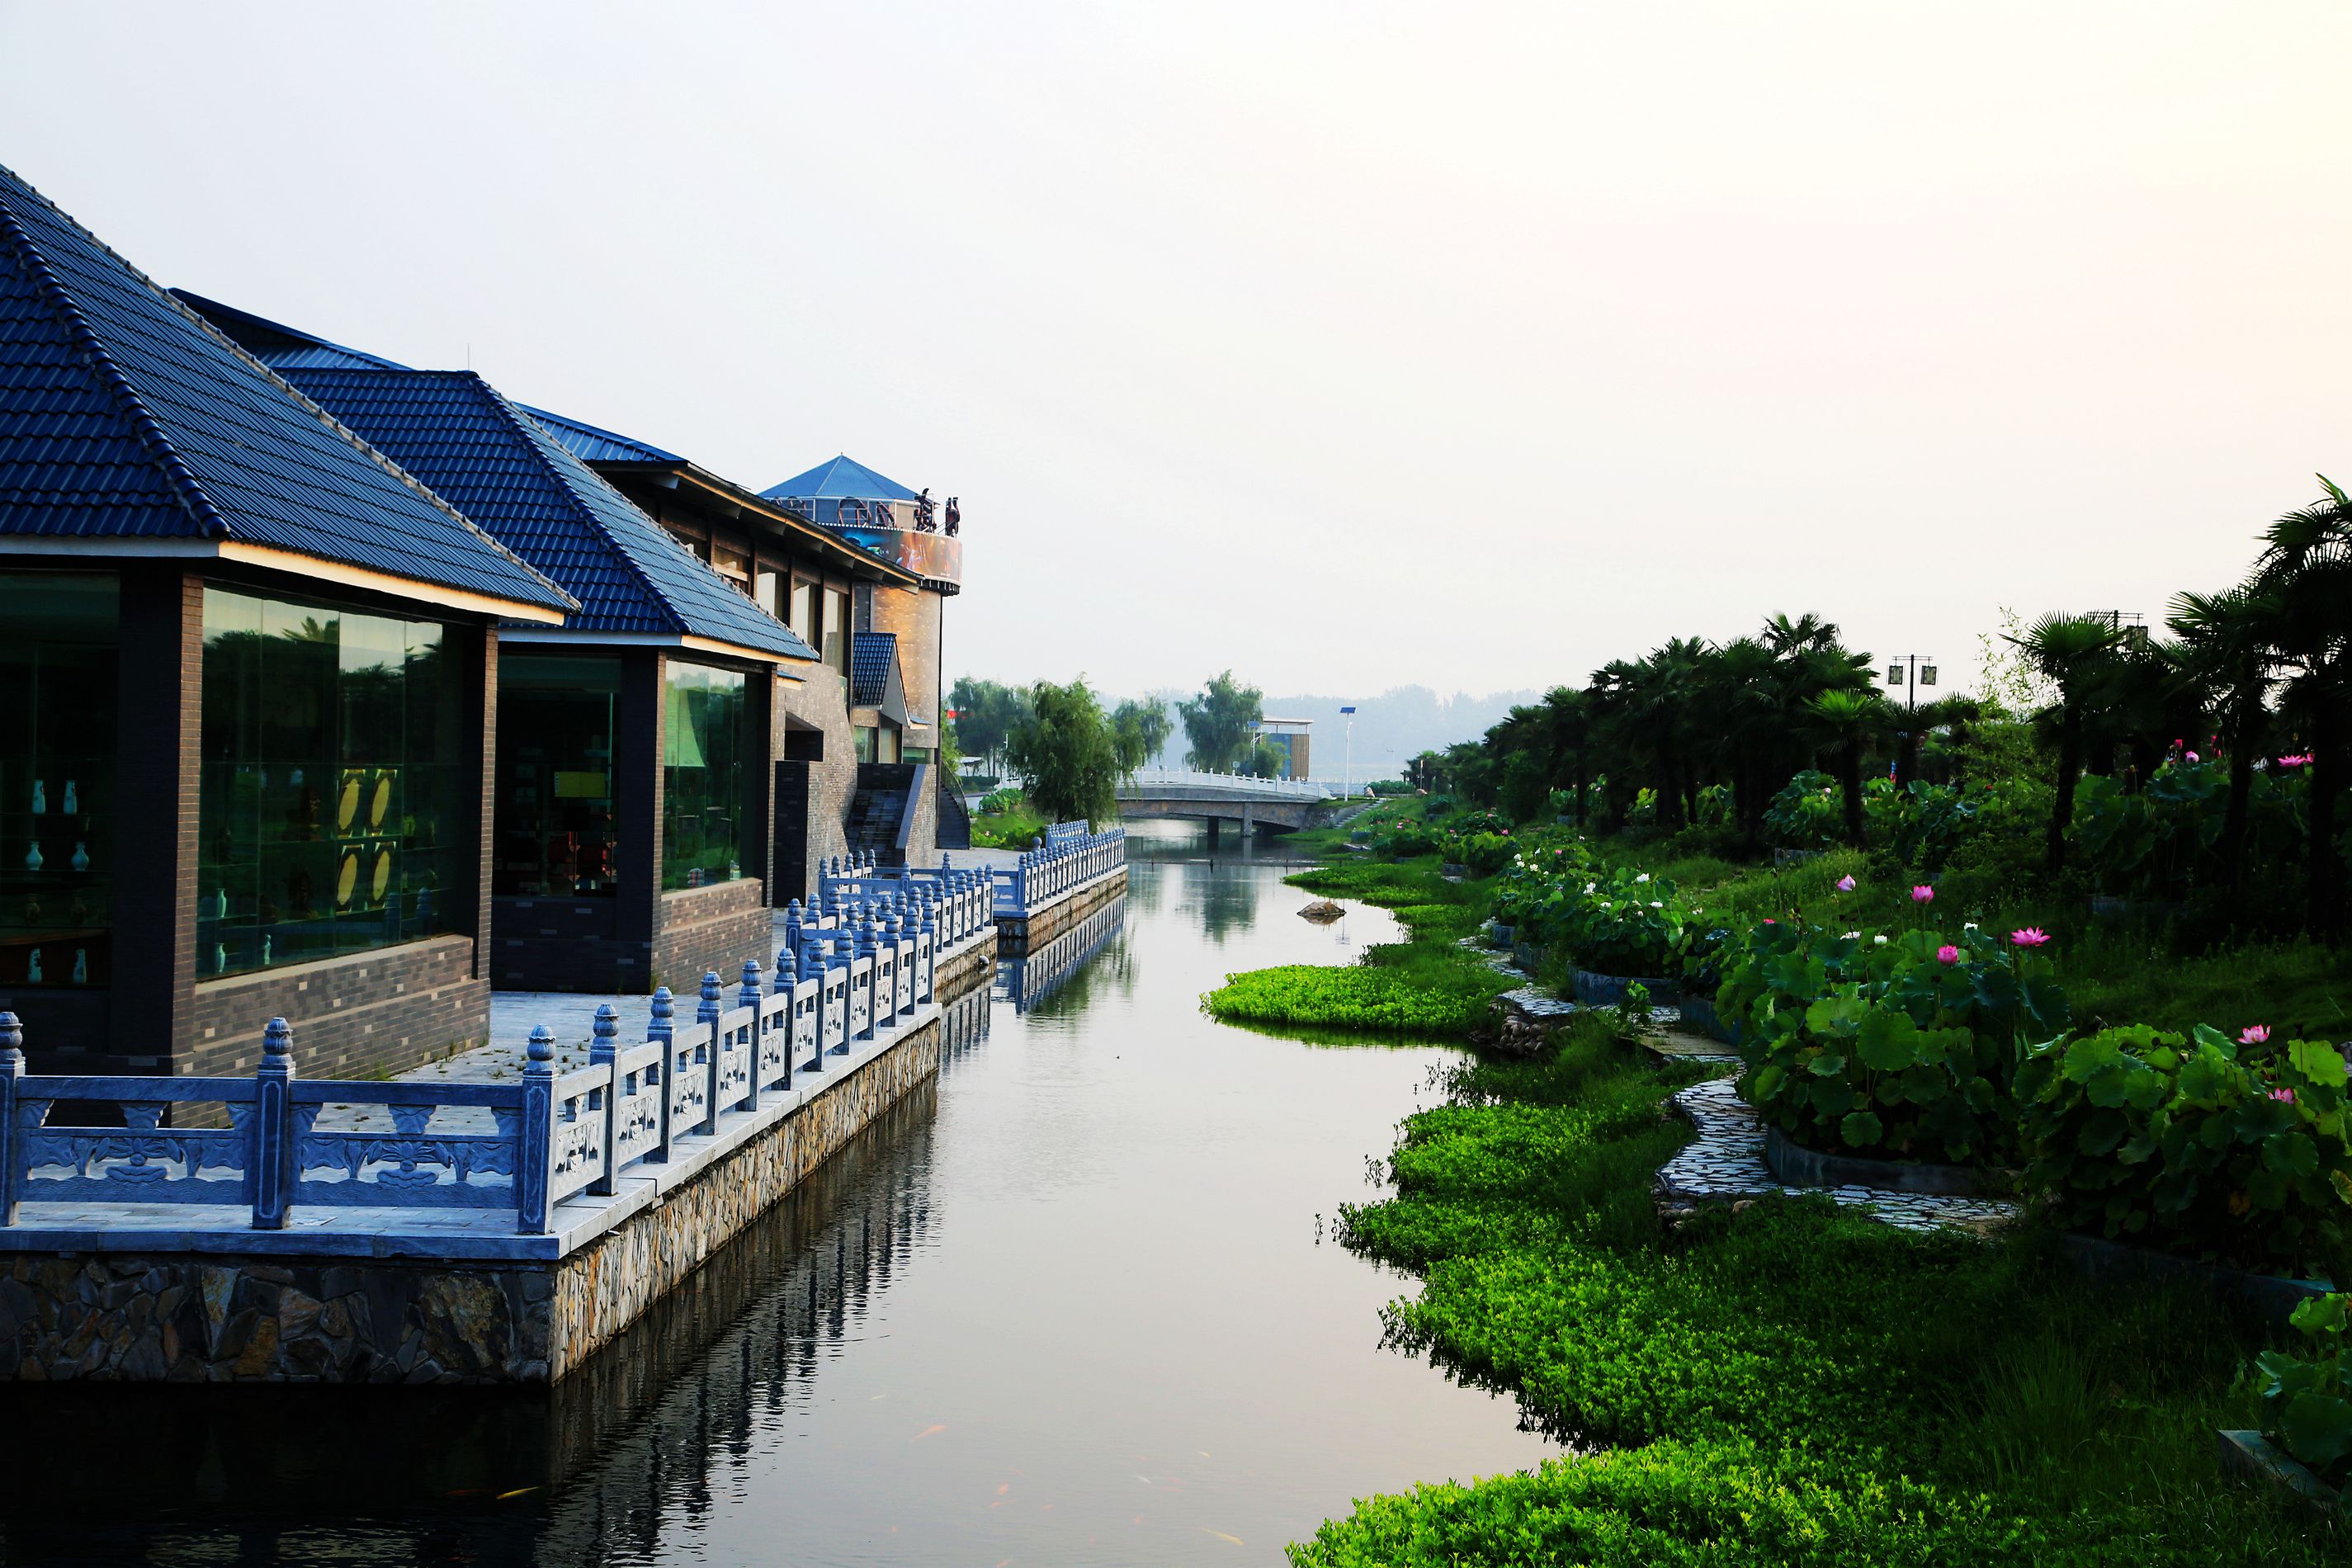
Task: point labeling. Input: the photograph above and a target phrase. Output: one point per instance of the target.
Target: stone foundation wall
(606, 1286)
(1016, 936)
(183, 1319)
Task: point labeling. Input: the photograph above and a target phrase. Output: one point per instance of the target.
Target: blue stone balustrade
(854, 972)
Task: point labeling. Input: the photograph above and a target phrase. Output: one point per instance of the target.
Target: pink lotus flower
(2032, 936)
(1846, 884)
(1948, 953)
(2296, 760)
(2253, 1034)
(1923, 894)
(2284, 1095)
(2192, 756)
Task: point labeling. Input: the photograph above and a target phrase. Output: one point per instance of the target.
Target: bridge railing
(1153, 781)
(553, 1134)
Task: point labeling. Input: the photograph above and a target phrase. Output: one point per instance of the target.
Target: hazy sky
(1344, 345)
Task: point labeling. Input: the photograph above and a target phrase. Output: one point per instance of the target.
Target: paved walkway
(1725, 1163)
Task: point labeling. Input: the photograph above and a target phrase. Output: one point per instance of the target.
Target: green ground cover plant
(1792, 1384)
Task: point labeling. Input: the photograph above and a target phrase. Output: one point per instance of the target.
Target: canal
(1076, 1302)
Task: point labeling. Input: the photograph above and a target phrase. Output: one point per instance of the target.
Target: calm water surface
(1070, 1305)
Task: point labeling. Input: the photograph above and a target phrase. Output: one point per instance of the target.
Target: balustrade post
(749, 996)
(271, 1159)
(12, 1151)
(707, 1014)
(604, 1050)
(662, 1026)
(791, 929)
(536, 1130)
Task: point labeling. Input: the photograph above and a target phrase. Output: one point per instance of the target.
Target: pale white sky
(1344, 345)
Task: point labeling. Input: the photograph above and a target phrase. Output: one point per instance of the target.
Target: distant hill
(1390, 728)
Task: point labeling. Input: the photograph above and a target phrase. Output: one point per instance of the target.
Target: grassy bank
(1427, 985)
(1790, 1384)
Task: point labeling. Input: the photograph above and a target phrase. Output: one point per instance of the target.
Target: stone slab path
(1725, 1163)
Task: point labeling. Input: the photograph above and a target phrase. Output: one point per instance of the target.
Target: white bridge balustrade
(847, 977)
(1189, 784)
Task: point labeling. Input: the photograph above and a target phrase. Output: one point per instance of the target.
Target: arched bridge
(1223, 797)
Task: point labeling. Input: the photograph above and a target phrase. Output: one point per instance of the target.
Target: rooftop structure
(901, 525)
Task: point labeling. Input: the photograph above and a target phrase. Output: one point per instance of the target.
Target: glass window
(802, 618)
(57, 669)
(731, 559)
(834, 649)
(555, 831)
(864, 736)
(767, 586)
(334, 758)
(702, 776)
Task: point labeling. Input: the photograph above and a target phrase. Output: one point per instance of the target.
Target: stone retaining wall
(1018, 935)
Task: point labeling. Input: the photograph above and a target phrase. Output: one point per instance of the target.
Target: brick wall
(384, 1011)
(714, 928)
(564, 945)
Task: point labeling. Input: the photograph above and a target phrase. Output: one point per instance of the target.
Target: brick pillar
(156, 740)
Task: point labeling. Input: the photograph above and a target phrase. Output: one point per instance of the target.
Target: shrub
(1398, 988)
(1631, 923)
(2209, 1147)
(1806, 813)
(1484, 853)
(2307, 1401)
(1899, 1047)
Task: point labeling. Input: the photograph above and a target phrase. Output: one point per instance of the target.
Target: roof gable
(277, 345)
(454, 431)
(875, 681)
(123, 415)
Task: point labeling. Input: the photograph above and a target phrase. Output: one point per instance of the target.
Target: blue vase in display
(40, 797)
(81, 966)
(73, 804)
(33, 969)
(220, 958)
(33, 856)
(81, 858)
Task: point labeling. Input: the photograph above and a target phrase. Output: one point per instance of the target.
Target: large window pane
(556, 831)
(57, 671)
(334, 755)
(702, 776)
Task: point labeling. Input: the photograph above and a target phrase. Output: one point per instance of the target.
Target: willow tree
(1066, 751)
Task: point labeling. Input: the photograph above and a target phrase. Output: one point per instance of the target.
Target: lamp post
(1912, 671)
(1347, 756)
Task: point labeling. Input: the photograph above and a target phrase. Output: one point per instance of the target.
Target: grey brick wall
(384, 1011)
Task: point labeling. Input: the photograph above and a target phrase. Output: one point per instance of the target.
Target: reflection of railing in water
(1028, 982)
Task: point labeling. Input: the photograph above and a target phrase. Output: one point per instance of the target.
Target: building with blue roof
(246, 699)
(633, 741)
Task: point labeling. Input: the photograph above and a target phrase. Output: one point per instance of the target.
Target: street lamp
(1911, 671)
(1347, 756)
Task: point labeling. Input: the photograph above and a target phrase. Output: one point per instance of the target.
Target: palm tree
(2069, 651)
(1568, 722)
(2306, 563)
(2224, 654)
(1848, 721)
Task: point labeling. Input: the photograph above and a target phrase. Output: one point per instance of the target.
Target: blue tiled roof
(837, 479)
(592, 445)
(123, 416)
(277, 345)
(453, 430)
